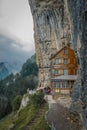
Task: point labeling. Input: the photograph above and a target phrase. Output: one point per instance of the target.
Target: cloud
(18, 43)
(1, 15)
(16, 31)
(13, 52)
(16, 19)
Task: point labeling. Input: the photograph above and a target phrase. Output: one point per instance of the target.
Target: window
(54, 84)
(56, 72)
(58, 84)
(58, 61)
(70, 84)
(65, 72)
(65, 61)
(65, 51)
(63, 84)
(66, 85)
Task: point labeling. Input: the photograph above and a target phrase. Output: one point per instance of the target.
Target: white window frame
(65, 61)
(65, 71)
(58, 61)
(65, 51)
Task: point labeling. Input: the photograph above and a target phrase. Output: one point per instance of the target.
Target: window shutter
(69, 60)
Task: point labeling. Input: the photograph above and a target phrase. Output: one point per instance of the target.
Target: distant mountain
(13, 66)
(4, 72)
(8, 68)
(12, 56)
(29, 67)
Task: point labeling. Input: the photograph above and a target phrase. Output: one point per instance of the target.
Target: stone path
(59, 115)
(49, 99)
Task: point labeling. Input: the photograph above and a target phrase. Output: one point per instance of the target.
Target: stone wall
(58, 23)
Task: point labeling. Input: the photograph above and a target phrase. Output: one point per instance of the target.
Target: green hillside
(17, 84)
(32, 116)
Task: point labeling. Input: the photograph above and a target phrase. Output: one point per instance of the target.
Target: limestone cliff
(52, 28)
(58, 23)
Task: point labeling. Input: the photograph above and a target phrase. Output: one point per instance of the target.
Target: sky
(16, 22)
(16, 32)
(13, 54)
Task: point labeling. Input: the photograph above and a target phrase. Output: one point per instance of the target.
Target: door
(65, 72)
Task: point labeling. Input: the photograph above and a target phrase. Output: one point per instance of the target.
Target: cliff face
(52, 28)
(58, 23)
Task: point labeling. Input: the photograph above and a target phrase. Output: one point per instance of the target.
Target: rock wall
(52, 29)
(58, 23)
(78, 13)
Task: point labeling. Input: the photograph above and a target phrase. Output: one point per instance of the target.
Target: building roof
(60, 51)
(66, 77)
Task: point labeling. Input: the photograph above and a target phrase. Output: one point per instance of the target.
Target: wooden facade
(63, 70)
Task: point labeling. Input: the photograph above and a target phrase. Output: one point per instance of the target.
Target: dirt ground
(59, 115)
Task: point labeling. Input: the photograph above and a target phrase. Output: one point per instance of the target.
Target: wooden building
(63, 70)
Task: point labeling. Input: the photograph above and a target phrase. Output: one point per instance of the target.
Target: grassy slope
(23, 118)
(5, 122)
(41, 124)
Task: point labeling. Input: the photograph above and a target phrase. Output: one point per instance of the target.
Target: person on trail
(47, 90)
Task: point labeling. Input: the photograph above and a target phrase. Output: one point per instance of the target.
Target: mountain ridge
(12, 54)
(3, 71)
